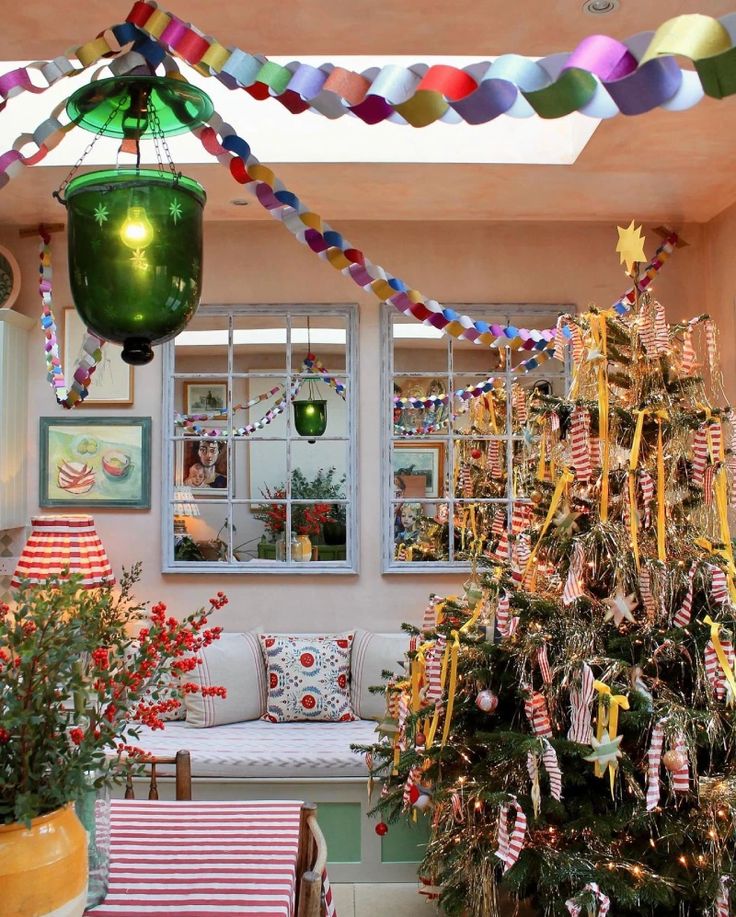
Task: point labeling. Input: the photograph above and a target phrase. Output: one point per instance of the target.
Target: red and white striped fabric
(580, 432)
(327, 897)
(647, 333)
(684, 612)
(681, 777)
(520, 518)
(723, 901)
(465, 481)
(574, 583)
(493, 457)
(575, 907)
(510, 846)
(505, 621)
(689, 357)
(646, 483)
(552, 766)
(518, 402)
(711, 345)
(499, 522)
(429, 621)
(502, 551)
(654, 761)
(714, 671)
(204, 859)
(520, 554)
(580, 713)
(433, 670)
(543, 661)
(661, 329)
(647, 596)
(708, 479)
(535, 707)
(60, 544)
(718, 585)
(412, 778)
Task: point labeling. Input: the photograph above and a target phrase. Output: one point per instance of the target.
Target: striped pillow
(234, 662)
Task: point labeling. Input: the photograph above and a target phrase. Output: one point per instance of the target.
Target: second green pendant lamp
(135, 235)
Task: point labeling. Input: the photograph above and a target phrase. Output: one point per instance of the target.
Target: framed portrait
(206, 397)
(419, 469)
(202, 465)
(101, 461)
(112, 381)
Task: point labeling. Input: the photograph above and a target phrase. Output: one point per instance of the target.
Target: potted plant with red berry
(74, 682)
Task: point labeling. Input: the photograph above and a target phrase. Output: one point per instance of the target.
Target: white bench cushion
(260, 749)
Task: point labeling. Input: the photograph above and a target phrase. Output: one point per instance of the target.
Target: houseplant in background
(73, 684)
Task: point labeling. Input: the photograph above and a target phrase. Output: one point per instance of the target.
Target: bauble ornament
(381, 829)
(486, 701)
(420, 740)
(536, 496)
(475, 453)
(674, 760)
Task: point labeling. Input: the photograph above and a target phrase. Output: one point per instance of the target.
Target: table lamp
(184, 506)
(63, 545)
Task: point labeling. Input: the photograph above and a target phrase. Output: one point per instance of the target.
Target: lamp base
(137, 351)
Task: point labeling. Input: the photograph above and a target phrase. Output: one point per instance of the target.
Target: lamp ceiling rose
(138, 106)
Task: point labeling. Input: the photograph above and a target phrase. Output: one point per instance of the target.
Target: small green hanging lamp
(135, 235)
(310, 414)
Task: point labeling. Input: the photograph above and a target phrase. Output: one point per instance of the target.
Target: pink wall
(721, 288)
(454, 262)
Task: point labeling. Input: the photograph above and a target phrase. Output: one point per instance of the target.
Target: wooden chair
(183, 776)
(310, 865)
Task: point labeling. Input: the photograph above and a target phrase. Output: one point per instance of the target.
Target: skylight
(277, 136)
(260, 336)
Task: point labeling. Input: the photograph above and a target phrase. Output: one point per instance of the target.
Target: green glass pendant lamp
(135, 235)
(310, 413)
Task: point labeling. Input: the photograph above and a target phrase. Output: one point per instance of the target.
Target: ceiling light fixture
(239, 202)
(135, 235)
(600, 7)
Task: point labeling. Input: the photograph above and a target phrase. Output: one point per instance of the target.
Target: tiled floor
(378, 900)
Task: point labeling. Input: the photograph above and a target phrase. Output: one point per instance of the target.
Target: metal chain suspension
(87, 150)
(159, 140)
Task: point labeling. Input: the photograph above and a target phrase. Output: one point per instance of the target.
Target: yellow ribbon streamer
(452, 687)
(715, 629)
(608, 717)
(633, 465)
(598, 329)
(541, 465)
(565, 478)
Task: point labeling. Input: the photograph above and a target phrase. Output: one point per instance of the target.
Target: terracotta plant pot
(43, 869)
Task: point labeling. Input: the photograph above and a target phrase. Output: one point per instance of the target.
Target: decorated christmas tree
(567, 726)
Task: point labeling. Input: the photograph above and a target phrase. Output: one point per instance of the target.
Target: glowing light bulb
(136, 232)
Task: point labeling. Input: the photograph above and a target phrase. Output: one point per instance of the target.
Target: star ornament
(101, 214)
(175, 210)
(620, 607)
(566, 519)
(630, 246)
(606, 751)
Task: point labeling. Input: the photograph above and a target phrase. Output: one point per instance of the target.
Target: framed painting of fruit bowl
(98, 461)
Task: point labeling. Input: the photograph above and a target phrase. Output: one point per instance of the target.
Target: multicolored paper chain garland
(66, 396)
(601, 78)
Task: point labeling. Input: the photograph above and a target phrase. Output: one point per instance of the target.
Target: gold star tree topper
(630, 246)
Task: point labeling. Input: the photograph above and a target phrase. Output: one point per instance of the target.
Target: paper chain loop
(601, 78)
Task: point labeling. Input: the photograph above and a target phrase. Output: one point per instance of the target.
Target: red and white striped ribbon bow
(581, 700)
(661, 329)
(520, 553)
(412, 779)
(715, 440)
(499, 522)
(723, 900)
(493, 457)
(574, 583)
(520, 518)
(510, 845)
(535, 707)
(646, 483)
(428, 889)
(403, 714)
(575, 907)
(731, 465)
(681, 777)
(580, 433)
(708, 478)
(654, 761)
(561, 339)
(518, 401)
(502, 551)
(647, 597)
(503, 614)
(552, 766)
(458, 810)
(465, 481)
(689, 357)
(700, 455)
(711, 346)
(647, 333)
(543, 661)
(713, 670)
(684, 612)
(433, 670)
(429, 621)
(718, 585)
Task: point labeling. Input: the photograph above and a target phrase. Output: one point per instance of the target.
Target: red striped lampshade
(64, 543)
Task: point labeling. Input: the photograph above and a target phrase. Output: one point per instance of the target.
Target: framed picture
(205, 397)
(419, 469)
(201, 464)
(100, 461)
(112, 381)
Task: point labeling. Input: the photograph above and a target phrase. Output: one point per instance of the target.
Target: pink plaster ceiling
(661, 166)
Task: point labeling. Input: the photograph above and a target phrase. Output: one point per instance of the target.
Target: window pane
(325, 336)
(319, 409)
(259, 343)
(259, 468)
(417, 347)
(420, 470)
(200, 531)
(203, 346)
(420, 531)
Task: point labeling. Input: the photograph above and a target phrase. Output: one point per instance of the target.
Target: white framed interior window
(451, 463)
(245, 490)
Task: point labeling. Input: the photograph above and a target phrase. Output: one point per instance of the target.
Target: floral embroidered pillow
(308, 677)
